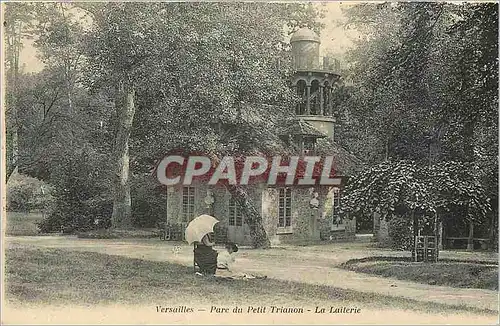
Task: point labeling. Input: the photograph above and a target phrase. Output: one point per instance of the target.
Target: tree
(59, 32)
(209, 78)
(399, 68)
(425, 75)
(214, 74)
(416, 191)
(17, 25)
(122, 38)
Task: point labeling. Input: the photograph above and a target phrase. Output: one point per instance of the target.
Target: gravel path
(314, 265)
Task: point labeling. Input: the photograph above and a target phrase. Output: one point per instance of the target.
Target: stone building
(293, 214)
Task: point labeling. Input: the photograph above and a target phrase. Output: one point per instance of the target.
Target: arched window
(314, 98)
(326, 97)
(301, 93)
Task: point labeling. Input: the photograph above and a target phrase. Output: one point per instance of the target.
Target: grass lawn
(22, 223)
(458, 274)
(55, 276)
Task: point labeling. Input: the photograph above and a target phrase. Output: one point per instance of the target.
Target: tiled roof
(345, 162)
(300, 127)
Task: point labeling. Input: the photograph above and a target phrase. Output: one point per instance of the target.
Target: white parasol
(199, 227)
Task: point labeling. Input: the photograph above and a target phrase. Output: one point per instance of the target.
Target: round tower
(313, 82)
(305, 49)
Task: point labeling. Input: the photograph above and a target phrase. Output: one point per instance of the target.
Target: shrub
(401, 233)
(81, 196)
(25, 194)
(149, 201)
(69, 216)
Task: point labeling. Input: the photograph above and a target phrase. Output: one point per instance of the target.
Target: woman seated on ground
(225, 259)
(225, 262)
(205, 256)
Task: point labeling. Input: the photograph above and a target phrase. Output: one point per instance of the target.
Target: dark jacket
(206, 258)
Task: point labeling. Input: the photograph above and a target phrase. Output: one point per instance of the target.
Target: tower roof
(305, 34)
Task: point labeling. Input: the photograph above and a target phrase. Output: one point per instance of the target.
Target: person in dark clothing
(205, 256)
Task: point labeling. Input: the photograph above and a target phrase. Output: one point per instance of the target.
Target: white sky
(334, 39)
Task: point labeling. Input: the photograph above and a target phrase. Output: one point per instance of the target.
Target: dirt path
(314, 265)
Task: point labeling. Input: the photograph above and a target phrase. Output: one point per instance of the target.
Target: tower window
(301, 93)
(315, 98)
(326, 98)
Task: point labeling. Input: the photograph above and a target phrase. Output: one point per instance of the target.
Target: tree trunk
(470, 241)
(491, 231)
(252, 217)
(440, 235)
(415, 233)
(383, 232)
(125, 109)
(13, 160)
(437, 239)
(386, 148)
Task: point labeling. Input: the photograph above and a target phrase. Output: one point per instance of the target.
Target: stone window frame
(235, 213)
(285, 193)
(188, 197)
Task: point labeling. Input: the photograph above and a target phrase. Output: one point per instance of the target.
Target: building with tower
(291, 214)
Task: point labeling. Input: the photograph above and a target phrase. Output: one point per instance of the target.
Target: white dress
(225, 260)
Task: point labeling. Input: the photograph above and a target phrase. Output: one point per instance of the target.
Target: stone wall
(174, 205)
(306, 222)
(219, 209)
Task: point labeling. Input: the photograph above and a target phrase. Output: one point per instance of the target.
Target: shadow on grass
(457, 273)
(409, 259)
(53, 276)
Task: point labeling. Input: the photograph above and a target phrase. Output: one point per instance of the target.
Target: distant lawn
(136, 233)
(25, 224)
(22, 223)
(460, 274)
(54, 276)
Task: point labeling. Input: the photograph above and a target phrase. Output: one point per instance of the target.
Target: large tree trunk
(470, 240)
(125, 109)
(252, 216)
(440, 234)
(415, 234)
(493, 227)
(15, 43)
